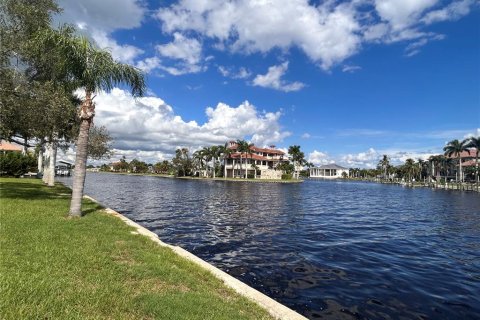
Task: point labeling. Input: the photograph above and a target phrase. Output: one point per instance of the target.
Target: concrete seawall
(276, 309)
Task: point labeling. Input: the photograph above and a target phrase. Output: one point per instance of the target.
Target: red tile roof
(256, 149)
(465, 154)
(7, 146)
(253, 156)
(469, 163)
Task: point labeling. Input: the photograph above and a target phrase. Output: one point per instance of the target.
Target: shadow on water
(330, 250)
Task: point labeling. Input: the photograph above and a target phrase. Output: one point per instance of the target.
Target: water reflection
(334, 250)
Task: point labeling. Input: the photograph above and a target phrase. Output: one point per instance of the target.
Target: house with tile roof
(9, 147)
(260, 163)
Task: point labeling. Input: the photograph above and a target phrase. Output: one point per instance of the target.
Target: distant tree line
(208, 162)
(436, 168)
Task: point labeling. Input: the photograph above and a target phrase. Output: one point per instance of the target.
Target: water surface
(329, 250)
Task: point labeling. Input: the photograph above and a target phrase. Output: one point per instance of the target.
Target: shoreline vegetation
(204, 178)
(96, 267)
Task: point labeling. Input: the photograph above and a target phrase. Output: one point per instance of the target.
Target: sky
(348, 81)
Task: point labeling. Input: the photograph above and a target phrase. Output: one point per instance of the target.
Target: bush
(16, 164)
(287, 176)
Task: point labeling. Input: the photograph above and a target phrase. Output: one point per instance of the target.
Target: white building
(260, 163)
(328, 171)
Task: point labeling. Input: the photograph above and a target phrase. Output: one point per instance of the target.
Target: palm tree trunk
(460, 166)
(51, 164)
(86, 116)
(40, 159)
(214, 162)
(45, 163)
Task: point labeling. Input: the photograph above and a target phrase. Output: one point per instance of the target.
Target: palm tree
(199, 158)
(92, 69)
(243, 147)
(384, 163)
(410, 168)
(224, 153)
(455, 148)
(215, 153)
(474, 142)
(297, 157)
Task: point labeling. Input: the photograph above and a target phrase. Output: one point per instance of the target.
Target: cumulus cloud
(231, 72)
(402, 14)
(258, 26)
(148, 64)
(123, 53)
(98, 19)
(370, 158)
(319, 158)
(105, 15)
(328, 33)
(185, 52)
(453, 11)
(148, 124)
(273, 79)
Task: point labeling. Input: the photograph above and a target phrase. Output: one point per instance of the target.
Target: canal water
(330, 250)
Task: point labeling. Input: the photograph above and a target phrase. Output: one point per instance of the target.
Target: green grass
(54, 267)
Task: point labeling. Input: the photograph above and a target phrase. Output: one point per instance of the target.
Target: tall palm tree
(455, 148)
(243, 147)
(384, 163)
(92, 69)
(199, 158)
(215, 154)
(297, 157)
(474, 142)
(410, 168)
(224, 153)
(208, 156)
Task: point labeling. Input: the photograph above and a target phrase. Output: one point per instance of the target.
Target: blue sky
(346, 80)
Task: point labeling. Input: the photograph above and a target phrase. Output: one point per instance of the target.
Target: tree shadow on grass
(90, 209)
(22, 190)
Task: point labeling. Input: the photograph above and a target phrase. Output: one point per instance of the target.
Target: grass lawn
(54, 267)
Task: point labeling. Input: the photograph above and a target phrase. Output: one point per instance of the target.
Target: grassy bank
(94, 267)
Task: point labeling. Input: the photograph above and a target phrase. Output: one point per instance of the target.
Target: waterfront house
(260, 163)
(328, 171)
(9, 147)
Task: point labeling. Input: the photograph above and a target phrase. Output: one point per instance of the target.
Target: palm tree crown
(455, 148)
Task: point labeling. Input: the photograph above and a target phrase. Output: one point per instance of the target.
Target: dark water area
(329, 250)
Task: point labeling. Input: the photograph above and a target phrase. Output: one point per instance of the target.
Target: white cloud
(230, 72)
(366, 159)
(105, 15)
(123, 53)
(414, 47)
(404, 13)
(306, 135)
(182, 48)
(370, 158)
(272, 79)
(98, 19)
(319, 158)
(475, 133)
(351, 68)
(149, 124)
(453, 11)
(328, 33)
(187, 51)
(148, 64)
